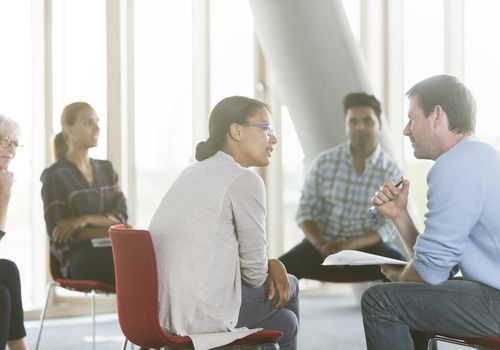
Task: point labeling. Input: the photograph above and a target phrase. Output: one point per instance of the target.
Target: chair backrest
(55, 267)
(137, 288)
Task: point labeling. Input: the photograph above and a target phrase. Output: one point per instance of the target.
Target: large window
(232, 51)
(16, 102)
(422, 59)
(482, 66)
(293, 180)
(163, 92)
(79, 61)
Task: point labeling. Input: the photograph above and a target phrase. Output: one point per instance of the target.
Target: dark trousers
(89, 263)
(303, 261)
(11, 306)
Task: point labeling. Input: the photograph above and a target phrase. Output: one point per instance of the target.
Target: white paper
(211, 340)
(101, 242)
(354, 257)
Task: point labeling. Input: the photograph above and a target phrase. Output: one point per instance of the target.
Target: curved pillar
(316, 60)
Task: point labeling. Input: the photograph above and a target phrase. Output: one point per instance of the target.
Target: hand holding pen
(390, 199)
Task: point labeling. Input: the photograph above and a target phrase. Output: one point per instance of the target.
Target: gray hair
(8, 122)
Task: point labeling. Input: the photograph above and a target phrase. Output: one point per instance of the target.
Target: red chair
(85, 286)
(137, 296)
(492, 343)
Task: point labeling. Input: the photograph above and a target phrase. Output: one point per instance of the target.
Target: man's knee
(372, 296)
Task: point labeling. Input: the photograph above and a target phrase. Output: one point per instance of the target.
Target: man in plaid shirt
(333, 208)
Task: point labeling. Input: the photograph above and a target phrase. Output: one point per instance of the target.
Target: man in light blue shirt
(462, 227)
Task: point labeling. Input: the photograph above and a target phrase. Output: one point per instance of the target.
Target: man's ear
(440, 116)
(235, 131)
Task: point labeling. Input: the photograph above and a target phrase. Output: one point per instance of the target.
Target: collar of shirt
(369, 162)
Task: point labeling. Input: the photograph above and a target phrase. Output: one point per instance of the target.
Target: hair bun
(204, 150)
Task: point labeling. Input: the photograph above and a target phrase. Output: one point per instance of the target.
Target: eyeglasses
(6, 142)
(267, 127)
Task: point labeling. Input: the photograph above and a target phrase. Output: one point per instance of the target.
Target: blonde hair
(68, 117)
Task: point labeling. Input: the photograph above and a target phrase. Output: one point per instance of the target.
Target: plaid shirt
(337, 199)
(67, 194)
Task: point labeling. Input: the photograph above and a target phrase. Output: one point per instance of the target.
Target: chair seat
(85, 285)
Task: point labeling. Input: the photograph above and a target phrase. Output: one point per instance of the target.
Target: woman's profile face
(85, 132)
(9, 141)
(258, 139)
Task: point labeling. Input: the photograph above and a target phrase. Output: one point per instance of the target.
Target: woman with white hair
(12, 332)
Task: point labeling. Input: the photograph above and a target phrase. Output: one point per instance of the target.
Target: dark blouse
(66, 193)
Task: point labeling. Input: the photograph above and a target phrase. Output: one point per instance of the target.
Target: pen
(373, 209)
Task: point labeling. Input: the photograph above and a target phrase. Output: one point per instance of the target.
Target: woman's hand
(64, 228)
(6, 181)
(277, 282)
(390, 201)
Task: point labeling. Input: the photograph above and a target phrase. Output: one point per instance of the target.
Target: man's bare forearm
(366, 240)
(407, 231)
(313, 234)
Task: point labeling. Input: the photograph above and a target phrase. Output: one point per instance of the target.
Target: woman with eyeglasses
(209, 234)
(12, 332)
(81, 198)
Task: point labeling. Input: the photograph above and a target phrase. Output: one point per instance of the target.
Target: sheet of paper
(354, 257)
(101, 242)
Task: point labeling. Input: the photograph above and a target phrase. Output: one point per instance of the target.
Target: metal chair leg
(93, 318)
(42, 316)
(124, 346)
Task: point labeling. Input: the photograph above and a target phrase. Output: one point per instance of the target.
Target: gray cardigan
(209, 237)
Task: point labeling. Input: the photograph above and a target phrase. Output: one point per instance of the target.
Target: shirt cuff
(430, 274)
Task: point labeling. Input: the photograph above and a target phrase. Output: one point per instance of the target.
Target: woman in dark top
(81, 198)
(12, 332)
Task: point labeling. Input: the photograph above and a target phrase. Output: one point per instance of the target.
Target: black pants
(303, 260)
(87, 262)
(11, 306)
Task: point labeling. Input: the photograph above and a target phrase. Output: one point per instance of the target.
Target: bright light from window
(232, 49)
(293, 180)
(423, 57)
(16, 102)
(482, 67)
(163, 92)
(79, 61)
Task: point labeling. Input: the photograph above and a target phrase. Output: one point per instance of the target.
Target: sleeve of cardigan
(248, 202)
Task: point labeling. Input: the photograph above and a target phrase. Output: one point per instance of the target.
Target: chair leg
(124, 346)
(93, 318)
(42, 316)
(432, 344)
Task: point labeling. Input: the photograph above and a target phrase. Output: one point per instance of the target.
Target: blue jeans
(258, 312)
(455, 308)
